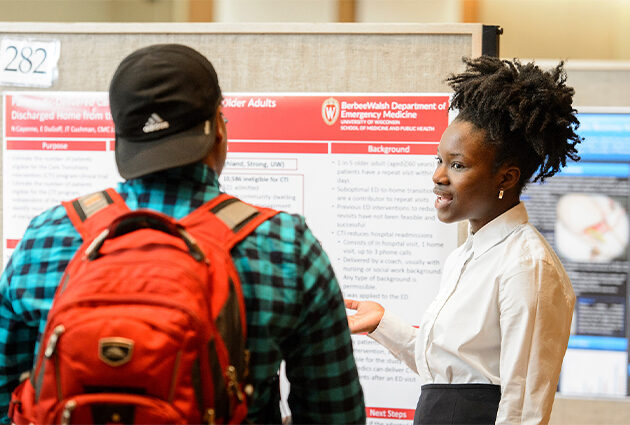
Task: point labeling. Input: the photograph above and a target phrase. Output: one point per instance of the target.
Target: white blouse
(502, 316)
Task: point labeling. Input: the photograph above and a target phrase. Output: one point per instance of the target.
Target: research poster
(357, 166)
(583, 213)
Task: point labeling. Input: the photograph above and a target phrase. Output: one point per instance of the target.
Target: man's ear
(510, 175)
(215, 158)
(219, 126)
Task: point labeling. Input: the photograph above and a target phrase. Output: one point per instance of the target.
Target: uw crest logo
(330, 110)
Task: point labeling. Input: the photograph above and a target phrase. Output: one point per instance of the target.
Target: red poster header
(12, 243)
(382, 118)
(57, 145)
(386, 148)
(64, 114)
(378, 124)
(390, 413)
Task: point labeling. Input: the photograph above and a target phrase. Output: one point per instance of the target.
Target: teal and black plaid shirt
(294, 306)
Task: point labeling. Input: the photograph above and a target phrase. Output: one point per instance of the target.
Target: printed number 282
(25, 60)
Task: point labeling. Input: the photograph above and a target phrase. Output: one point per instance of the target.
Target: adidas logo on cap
(155, 123)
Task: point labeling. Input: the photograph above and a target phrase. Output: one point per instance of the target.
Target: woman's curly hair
(526, 113)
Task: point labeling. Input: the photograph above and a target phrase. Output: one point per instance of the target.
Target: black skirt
(457, 404)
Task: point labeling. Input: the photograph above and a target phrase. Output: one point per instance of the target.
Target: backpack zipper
(233, 387)
(171, 391)
(52, 341)
(210, 417)
(249, 388)
(66, 415)
(50, 351)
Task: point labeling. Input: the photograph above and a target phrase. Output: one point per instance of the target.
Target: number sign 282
(22, 60)
(26, 62)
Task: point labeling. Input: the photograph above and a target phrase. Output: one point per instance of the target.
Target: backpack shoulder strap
(230, 219)
(90, 214)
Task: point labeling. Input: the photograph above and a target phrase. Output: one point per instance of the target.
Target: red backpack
(148, 322)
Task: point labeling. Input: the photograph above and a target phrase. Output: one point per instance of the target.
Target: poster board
(307, 64)
(591, 396)
(599, 83)
(583, 213)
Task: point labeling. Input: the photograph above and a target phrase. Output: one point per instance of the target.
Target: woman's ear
(510, 175)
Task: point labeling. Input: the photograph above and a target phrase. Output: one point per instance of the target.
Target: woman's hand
(367, 317)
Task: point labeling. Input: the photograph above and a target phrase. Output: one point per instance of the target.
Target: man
(171, 145)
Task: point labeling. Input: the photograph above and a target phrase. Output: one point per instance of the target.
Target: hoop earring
(501, 194)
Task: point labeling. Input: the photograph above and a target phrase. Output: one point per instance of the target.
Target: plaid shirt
(294, 306)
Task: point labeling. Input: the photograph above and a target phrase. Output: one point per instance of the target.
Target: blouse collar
(498, 229)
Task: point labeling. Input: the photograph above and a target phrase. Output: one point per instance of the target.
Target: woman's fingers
(351, 304)
(367, 317)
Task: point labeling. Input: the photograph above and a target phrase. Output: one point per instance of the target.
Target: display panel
(583, 212)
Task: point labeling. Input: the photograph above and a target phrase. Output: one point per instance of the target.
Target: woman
(490, 346)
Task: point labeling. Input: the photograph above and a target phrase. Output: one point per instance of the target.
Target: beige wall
(58, 10)
(570, 29)
(276, 10)
(622, 26)
(93, 10)
(440, 11)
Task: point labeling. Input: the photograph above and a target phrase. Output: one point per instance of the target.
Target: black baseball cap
(162, 99)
